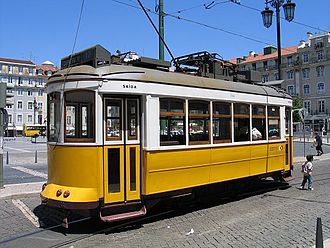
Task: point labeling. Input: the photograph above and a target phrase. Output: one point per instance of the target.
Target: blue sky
(45, 29)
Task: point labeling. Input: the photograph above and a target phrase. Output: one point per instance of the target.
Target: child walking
(306, 169)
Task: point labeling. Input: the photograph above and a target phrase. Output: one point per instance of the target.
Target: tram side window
(199, 119)
(241, 122)
(288, 122)
(54, 116)
(172, 122)
(273, 122)
(79, 116)
(221, 122)
(258, 122)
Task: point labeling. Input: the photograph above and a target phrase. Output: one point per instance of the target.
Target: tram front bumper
(69, 197)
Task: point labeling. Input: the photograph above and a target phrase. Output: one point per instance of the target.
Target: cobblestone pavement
(279, 218)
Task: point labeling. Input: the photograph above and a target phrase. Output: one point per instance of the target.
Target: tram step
(124, 216)
(289, 178)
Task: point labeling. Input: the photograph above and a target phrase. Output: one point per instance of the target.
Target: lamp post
(35, 107)
(267, 16)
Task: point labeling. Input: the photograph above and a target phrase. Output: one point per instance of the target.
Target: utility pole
(161, 29)
(3, 89)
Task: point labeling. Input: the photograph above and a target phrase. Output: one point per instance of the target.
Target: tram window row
(230, 122)
(249, 122)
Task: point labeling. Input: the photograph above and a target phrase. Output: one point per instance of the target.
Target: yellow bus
(122, 134)
(34, 130)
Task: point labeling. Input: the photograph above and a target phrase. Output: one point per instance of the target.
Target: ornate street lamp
(289, 10)
(267, 16)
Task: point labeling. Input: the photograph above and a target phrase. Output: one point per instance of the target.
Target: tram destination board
(95, 56)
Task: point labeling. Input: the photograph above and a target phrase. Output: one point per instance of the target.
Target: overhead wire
(204, 25)
(195, 22)
(293, 21)
(69, 64)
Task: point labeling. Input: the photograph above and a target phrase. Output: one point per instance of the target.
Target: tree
(296, 104)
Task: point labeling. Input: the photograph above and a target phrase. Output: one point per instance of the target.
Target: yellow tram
(121, 132)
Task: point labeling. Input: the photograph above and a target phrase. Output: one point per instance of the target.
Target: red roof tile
(47, 67)
(17, 61)
(260, 57)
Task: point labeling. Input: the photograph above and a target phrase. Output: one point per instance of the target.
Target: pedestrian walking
(318, 144)
(307, 169)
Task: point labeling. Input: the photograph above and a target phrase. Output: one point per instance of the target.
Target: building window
(318, 43)
(198, 122)
(19, 119)
(320, 55)
(307, 106)
(4, 79)
(40, 92)
(25, 81)
(305, 73)
(10, 69)
(290, 74)
(30, 105)
(254, 66)
(19, 105)
(29, 93)
(241, 122)
(20, 92)
(10, 119)
(321, 106)
(258, 122)
(172, 122)
(9, 106)
(305, 57)
(320, 88)
(15, 80)
(29, 120)
(291, 90)
(30, 71)
(320, 71)
(40, 81)
(273, 122)
(276, 76)
(40, 119)
(30, 82)
(289, 60)
(39, 105)
(265, 63)
(221, 122)
(306, 89)
(20, 69)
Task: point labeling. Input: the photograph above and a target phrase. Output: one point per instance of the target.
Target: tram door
(121, 150)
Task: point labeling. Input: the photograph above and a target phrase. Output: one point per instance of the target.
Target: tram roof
(131, 73)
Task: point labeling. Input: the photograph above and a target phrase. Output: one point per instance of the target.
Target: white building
(29, 92)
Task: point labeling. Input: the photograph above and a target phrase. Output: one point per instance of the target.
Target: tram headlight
(66, 193)
(58, 192)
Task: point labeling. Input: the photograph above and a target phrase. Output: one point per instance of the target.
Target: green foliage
(296, 104)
